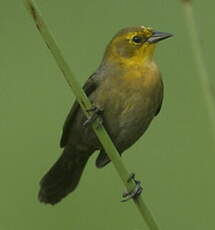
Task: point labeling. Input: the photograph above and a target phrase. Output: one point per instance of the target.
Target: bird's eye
(137, 39)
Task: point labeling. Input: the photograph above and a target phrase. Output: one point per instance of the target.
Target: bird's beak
(158, 36)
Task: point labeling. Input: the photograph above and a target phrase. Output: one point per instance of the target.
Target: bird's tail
(63, 177)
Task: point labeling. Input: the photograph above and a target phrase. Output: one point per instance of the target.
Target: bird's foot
(136, 192)
(96, 113)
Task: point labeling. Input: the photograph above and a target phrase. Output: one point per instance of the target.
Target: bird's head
(134, 44)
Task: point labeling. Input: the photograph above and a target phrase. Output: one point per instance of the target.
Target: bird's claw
(96, 112)
(136, 192)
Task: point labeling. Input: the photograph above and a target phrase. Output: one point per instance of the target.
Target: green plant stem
(85, 104)
(200, 64)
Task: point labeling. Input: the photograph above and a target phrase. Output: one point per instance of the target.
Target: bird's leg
(137, 190)
(96, 113)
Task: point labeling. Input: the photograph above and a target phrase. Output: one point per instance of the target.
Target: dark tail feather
(63, 177)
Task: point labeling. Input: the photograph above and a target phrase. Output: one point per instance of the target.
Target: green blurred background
(174, 159)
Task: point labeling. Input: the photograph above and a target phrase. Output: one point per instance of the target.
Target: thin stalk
(200, 64)
(85, 104)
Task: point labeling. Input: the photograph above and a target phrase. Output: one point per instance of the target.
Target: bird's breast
(133, 91)
(130, 100)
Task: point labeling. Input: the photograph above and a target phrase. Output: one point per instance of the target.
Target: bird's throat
(142, 57)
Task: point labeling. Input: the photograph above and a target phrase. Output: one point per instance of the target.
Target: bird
(127, 92)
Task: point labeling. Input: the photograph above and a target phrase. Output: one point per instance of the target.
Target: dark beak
(158, 36)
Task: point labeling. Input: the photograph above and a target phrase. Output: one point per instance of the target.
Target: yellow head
(134, 44)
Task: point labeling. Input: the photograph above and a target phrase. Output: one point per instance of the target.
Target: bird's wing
(161, 99)
(88, 87)
(159, 109)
